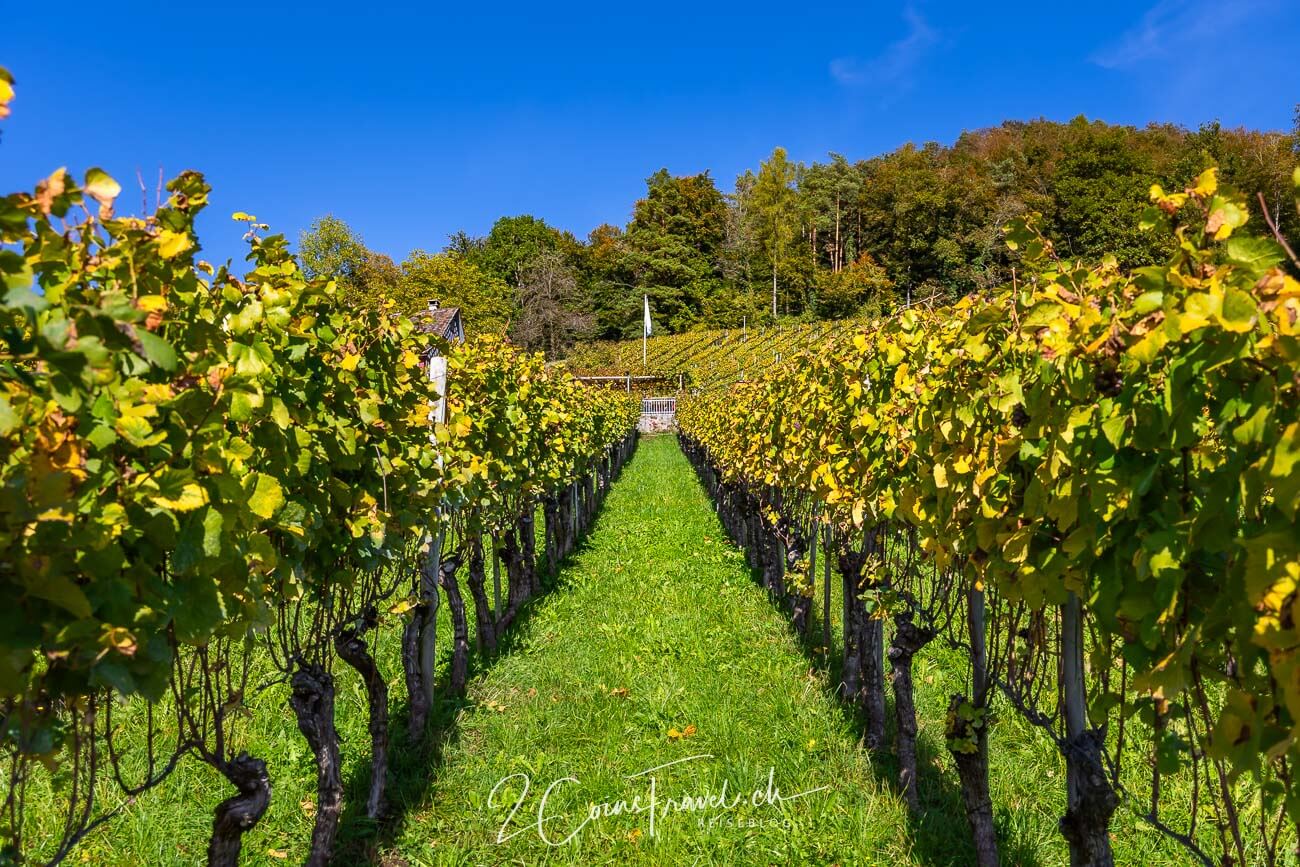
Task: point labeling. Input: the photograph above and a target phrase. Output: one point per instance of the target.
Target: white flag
(647, 314)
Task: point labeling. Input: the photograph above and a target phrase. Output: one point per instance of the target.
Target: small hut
(445, 323)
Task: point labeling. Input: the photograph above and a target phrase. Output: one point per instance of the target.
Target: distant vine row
(702, 359)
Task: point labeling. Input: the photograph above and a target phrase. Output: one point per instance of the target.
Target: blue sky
(411, 122)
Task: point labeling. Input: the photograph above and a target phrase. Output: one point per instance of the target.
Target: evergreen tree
(673, 246)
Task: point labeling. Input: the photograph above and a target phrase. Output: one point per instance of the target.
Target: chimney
(433, 304)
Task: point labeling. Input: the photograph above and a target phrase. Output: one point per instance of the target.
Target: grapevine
(1100, 467)
(200, 466)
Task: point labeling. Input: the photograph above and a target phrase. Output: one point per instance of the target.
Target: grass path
(656, 630)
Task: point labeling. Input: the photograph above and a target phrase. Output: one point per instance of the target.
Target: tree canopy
(817, 240)
(485, 300)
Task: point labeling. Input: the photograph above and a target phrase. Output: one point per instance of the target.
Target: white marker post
(645, 332)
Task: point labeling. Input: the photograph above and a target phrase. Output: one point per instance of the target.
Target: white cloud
(896, 63)
(1172, 26)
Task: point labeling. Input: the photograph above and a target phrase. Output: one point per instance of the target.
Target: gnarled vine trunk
(572, 518)
(528, 538)
(459, 626)
(419, 642)
(352, 649)
(908, 641)
(776, 567)
(237, 814)
(863, 679)
(417, 702)
(850, 563)
(1091, 802)
(565, 514)
(312, 700)
(753, 541)
(793, 545)
(485, 633)
(589, 489)
(517, 584)
(773, 563)
(800, 610)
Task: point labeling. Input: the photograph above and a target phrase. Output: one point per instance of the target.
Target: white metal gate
(658, 414)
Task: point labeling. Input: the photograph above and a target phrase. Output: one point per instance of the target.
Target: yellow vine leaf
(6, 92)
(172, 244)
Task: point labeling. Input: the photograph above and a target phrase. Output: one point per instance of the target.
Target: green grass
(654, 625)
(657, 604)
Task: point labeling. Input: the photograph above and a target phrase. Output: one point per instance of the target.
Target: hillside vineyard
(1023, 548)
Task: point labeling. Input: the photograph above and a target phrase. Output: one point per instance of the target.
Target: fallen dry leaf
(675, 735)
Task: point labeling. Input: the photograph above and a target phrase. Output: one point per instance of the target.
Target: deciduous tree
(486, 301)
(775, 213)
(545, 297)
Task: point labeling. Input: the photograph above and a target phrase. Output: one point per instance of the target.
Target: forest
(825, 240)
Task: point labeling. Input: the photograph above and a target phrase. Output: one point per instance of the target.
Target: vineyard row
(201, 471)
(1086, 483)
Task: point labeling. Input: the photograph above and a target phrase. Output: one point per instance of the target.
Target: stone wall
(657, 422)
